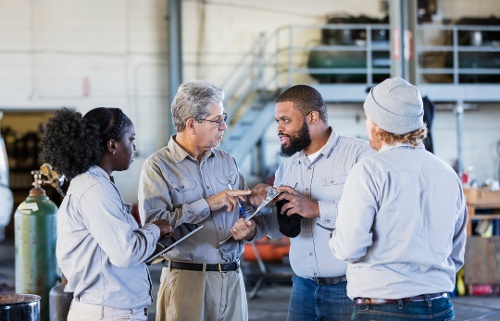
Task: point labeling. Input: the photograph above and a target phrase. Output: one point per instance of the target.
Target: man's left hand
(243, 230)
(297, 203)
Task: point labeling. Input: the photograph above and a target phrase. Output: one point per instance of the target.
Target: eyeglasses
(218, 122)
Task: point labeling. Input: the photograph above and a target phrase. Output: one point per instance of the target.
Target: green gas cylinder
(35, 245)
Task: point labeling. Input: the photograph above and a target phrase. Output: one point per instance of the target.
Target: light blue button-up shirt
(321, 180)
(100, 247)
(401, 225)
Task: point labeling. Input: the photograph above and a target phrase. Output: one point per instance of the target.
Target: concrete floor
(271, 300)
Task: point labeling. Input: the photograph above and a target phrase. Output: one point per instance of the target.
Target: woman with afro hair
(100, 247)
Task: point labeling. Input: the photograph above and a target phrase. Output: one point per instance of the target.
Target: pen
(237, 200)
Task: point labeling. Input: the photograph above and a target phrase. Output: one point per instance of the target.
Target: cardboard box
(482, 197)
(482, 260)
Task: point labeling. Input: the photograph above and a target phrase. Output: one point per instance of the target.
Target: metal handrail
(455, 49)
(249, 77)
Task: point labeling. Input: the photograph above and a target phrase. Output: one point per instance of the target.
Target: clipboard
(272, 193)
(180, 234)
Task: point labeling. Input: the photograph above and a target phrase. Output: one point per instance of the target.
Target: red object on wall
(86, 87)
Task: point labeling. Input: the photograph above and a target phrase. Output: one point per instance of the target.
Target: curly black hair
(72, 143)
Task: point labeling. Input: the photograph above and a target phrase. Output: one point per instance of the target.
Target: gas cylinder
(60, 301)
(35, 245)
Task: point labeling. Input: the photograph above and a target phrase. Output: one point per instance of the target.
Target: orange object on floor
(269, 250)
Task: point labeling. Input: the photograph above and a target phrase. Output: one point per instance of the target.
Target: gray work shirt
(100, 247)
(174, 186)
(401, 225)
(321, 180)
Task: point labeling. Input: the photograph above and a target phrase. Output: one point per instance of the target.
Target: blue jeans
(436, 310)
(310, 301)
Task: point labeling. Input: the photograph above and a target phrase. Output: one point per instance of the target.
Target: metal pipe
(459, 111)
(174, 52)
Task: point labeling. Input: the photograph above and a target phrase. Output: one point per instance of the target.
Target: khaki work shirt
(174, 186)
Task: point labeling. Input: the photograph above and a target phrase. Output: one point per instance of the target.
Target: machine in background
(478, 56)
(354, 49)
(349, 49)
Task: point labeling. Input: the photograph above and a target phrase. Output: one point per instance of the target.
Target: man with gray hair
(402, 218)
(190, 181)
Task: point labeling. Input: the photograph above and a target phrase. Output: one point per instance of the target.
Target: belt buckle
(219, 266)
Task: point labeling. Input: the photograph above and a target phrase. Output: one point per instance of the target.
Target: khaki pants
(89, 312)
(200, 295)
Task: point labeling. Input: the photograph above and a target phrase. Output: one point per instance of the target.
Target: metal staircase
(245, 133)
(251, 93)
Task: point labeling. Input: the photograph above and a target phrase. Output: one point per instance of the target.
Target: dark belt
(418, 298)
(330, 281)
(221, 267)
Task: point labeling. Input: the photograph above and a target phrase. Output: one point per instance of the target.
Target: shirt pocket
(334, 181)
(230, 177)
(183, 190)
(183, 185)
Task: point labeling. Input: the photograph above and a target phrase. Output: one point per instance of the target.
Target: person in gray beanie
(402, 218)
(395, 105)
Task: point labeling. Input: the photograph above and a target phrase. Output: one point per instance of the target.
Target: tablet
(180, 234)
(272, 193)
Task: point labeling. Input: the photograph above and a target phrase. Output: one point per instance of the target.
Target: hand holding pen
(240, 228)
(242, 210)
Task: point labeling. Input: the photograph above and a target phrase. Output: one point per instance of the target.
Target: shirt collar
(99, 172)
(326, 150)
(398, 145)
(179, 154)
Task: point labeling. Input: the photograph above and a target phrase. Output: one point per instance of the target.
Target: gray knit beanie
(395, 106)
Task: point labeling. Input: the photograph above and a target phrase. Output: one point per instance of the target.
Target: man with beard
(402, 218)
(311, 181)
(190, 181)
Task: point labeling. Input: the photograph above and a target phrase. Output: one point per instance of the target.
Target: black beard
(301, 141)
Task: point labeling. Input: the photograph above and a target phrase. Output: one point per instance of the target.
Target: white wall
(85, 54)
(92, 53)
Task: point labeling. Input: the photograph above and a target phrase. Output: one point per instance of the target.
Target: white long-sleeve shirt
(401, 225)
(100, 247)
